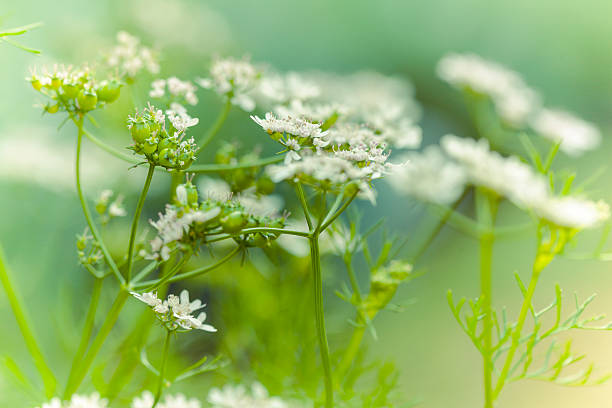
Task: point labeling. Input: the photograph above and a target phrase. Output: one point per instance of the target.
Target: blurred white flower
(130, 57)
(146, 400)
(289, 125)
(177, 90)
(54, 403)
(237, 396)
(429, 176)
(234, 78)
(513, 99)
(91, 401)
(576, 135)
(507, 176)
(572, 212)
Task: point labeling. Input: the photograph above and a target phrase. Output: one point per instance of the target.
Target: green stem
(331, 218)
(89, 324)
(216, 126)
(217, 168)
(78, 375)
(110, 149)
(315, 258)
(302, 198)
(275, 231)
(486, 209)
(191, 274)
(26, 329)
(141, 200)
(92, 227)
(517, 331)
(162, 369)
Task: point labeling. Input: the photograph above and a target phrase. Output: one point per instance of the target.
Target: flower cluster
(107, 209)
(178, 91)
(88, 249)
(78, 401)
(176, 311)
(235, 79)
(471, 161)
(516, 103)
(163, 144)
(327, 159)
(146, 400)
(130, 57)
(235, 396)
(74, 90)
(186, 224)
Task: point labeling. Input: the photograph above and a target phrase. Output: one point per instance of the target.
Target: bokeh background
(561, 48)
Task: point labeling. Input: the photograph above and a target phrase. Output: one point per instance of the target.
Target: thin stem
(89, 323)
(162, 369)
(78, 375)
(315, 258)
(193, 273)
(275, 231)
(331, 218)
(25, 327)
(517, 331)
(170, 274)
(217, 168)
(92, 227)
(486, 209)
(110, 149)
(302, 198)
(141, 200)
(145, 271)
(216, 126)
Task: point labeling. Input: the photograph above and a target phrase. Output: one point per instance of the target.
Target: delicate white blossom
(234, 78)
(130, 57)
(289, 125)
(513, 99)
(507, 176)
(146, 400)
(177, 90)
(429, 176)
(177, 311)
(572, 212)
(576, 135)
(238, 396)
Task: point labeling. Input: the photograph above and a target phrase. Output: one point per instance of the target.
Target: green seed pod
(108, 91)
(192, 194)
(260, 241)
(149, 146)
(140, 131)
(56, 83)
(167, 143)
(167, 158)
(233, 222)
(52, 108)
(87, 101)
(265, 185)
(36, 84)
(242, 179)
(70, 91)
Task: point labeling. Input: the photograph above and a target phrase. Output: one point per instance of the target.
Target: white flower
(180, 119)
(576, 135)
(146, 400)
(291, 87)
(289, 125)
(429, 176)
(116, 208)
(507, 176)
(91, 401)
(177, 310)
(233, 78)
(513, 99)
(237, 396)
(181, 90)
(319, 112)
(54, 403)
(131, 57)
(572, 212)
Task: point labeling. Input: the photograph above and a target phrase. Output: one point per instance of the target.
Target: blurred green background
(561, 48)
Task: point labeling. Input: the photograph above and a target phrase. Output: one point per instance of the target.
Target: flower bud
(166, 158)
(150, 145)
(265, 185)
(140, 132)
(36, 84)
(108, 91)
(52, 108)
(70, 91)
(56, 82)
(87, 100)
(233, 222)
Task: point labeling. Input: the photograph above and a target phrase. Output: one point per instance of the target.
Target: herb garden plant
(336, 136)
